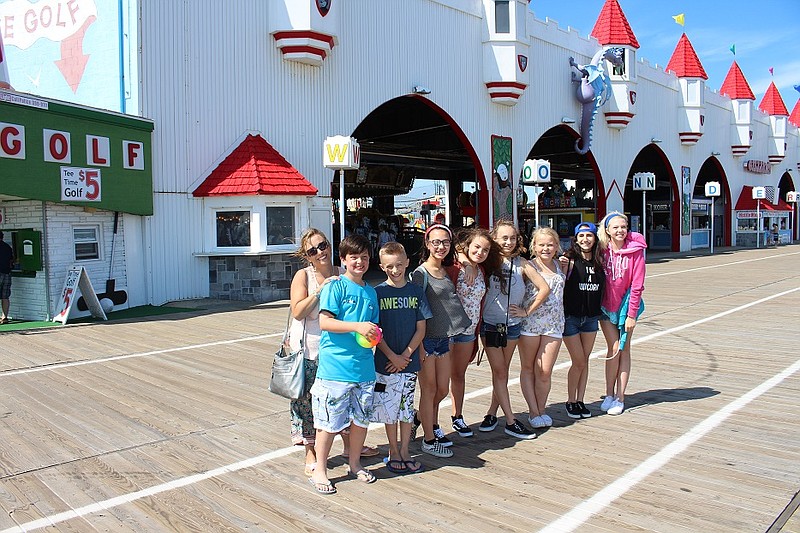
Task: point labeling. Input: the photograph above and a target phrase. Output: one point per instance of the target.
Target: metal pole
(712, 226)
(342, 206)
(644, 215)
(536, 207)
(758, 223)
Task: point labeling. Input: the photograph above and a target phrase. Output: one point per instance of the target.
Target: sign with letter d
(340, 152)
(536, 171)
(713, 189)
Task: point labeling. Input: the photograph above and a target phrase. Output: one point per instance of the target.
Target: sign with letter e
(759, 193)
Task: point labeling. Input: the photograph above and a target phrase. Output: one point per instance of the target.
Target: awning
(747, 203)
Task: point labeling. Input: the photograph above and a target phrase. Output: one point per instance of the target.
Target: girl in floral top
(542, 329)
(478, 256)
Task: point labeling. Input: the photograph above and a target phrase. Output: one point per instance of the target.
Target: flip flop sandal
(309, 470)
(323, 487)
(397, 467)
(410, 467)
(365, 476)
(366, 451)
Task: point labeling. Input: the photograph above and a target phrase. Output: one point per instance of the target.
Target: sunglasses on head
(321, 247)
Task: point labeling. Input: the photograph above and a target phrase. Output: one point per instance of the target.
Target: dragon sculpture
(594, 90)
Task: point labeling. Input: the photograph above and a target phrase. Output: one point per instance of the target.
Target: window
(502, 17)
(233, 228)
(87, 242)
(619, 70)
(280, 225)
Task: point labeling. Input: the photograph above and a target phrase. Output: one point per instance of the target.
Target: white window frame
(98, 228)
(258, 224)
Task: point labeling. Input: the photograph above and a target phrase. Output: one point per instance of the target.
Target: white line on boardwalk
(720, 265)
(584, 511)
(111, 358)
(577, 516)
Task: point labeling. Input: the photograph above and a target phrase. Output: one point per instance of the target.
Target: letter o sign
(536, 171)
(57, 146)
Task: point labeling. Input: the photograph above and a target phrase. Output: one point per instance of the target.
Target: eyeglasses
(321, 247)
(437, 242)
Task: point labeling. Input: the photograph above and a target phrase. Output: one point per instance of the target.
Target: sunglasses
(321, 247)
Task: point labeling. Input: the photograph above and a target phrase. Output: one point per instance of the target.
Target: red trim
(619, 114)
(304, 50)
(620, 121)
(303, 34)
(504, 84)
(515, 96)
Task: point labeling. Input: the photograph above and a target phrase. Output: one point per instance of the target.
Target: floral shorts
(337, 403)
(393, 400)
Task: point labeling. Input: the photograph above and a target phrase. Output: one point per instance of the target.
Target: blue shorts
(436, 347)
(335, 404)
(580, 324)
(464, 338)
(512, 334)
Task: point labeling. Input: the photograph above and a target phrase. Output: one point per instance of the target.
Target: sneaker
(573, 410)
(436, 449)
(617, 408)
(461, 427)
(488, 424)
(440, 438)
(585, 412)
(547, 420)
(608, 401)
(537, 422)
(518, 430)
(415, 427)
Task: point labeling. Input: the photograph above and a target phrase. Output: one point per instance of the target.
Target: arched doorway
(406, 139)
(785, 185)
(663, 222)
(701, 207)
(573, 194)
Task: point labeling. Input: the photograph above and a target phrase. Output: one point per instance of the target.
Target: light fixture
(715, 154)
(567, 120)
(419, 89)
(655, 140)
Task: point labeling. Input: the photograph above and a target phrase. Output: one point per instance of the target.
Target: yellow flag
(679, 18)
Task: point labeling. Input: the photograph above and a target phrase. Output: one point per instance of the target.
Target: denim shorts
(580, 324)
(512, 334)
(464, 338)
(436, 347)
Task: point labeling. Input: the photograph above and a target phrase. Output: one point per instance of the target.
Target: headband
(612, 214)
(438, 226)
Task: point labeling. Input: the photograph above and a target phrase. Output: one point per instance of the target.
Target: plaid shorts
(393, 400)
(5, 286)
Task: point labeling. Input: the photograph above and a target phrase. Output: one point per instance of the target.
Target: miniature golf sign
(77, 281)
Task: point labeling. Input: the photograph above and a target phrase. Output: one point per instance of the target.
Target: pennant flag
(797, 88)
(679, 19)
(771, 71)
(733, 49)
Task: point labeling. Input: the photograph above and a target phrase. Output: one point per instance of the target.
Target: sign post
(712, 191)
(341, 153)
(536, 171)
(644, 181)
(791, 197)
(759, 193)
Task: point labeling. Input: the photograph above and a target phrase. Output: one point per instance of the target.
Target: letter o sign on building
(536, 171)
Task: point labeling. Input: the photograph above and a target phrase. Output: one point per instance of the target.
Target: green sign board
(69, 154)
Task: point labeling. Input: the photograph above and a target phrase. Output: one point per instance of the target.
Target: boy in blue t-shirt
(341, 396)
(403, 312)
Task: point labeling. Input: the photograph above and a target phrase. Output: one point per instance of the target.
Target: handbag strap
(288, 325)
(510, 275)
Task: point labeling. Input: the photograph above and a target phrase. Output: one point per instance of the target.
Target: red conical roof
(684, 61)
(794, 118)
(735, 85)
(254, 167)
(772, 104)
(612, 27)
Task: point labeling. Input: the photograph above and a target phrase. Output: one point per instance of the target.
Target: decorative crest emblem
(522, 61)
(323, 6)
(632, 96)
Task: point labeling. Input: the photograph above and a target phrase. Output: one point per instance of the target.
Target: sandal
(365, 476)
(396, 467)
(366, 451)
(323, 487)
(309, 470)
(410, 467)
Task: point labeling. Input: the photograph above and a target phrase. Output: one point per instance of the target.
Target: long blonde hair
(602, 233)
(305, 239)
(545, 231)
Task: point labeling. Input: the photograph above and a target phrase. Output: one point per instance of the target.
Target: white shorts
(393, 400)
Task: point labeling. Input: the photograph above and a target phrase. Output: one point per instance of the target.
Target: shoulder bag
(288, 367)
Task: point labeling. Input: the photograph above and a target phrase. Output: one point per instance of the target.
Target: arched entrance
(663, 231)
(406, 139)
(701, 213)
(785, 185)
(572, 195)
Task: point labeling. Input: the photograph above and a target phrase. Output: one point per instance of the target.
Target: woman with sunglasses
(316, 251)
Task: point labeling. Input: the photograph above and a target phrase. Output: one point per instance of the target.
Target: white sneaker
(608, 401)
(548, 422)
(617, 408)
(537, 422)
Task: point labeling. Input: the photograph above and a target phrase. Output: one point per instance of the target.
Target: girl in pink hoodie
(623, 262)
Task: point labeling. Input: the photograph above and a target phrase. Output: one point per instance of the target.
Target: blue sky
(765, 33)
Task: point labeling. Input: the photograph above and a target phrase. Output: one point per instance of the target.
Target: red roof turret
(772, 104)
(254, 167)
(735, 85)
(684, 62)
(612, 27)
(794, 118)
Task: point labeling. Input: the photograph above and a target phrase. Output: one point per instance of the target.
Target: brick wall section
(262, 278)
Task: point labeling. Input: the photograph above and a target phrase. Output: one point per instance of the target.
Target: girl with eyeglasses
(315, 250)
(449, 319)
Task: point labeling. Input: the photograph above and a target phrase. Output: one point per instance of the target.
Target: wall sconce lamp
(419, 89)
(567, 120)
(655, 140)
(715, 154)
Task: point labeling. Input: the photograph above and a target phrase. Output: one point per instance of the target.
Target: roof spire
(772, 103)
(684, 61)
(612, 27)
(735, 85)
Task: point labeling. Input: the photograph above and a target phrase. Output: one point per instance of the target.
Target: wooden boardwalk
(166, 425)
